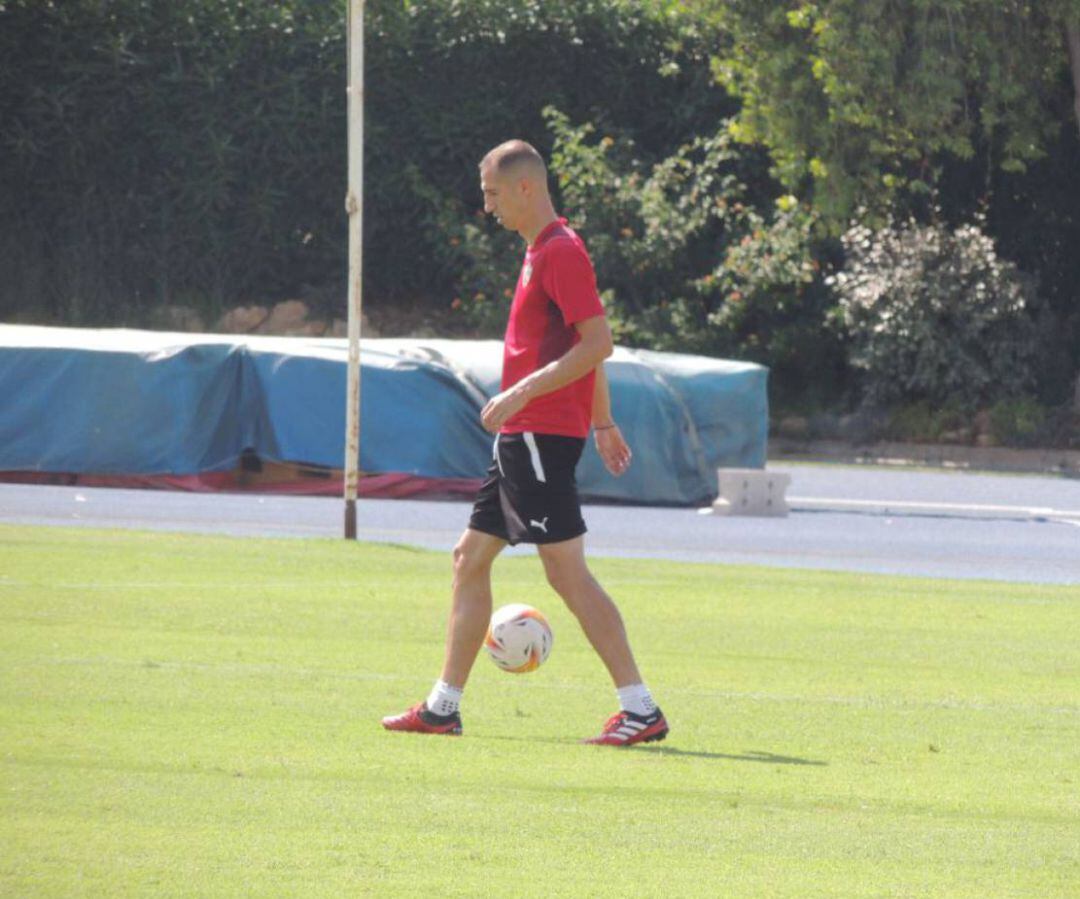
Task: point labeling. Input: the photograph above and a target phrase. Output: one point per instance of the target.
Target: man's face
(501, 198)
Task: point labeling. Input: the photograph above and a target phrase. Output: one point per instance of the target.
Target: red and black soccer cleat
(419, 720)
(626, 729)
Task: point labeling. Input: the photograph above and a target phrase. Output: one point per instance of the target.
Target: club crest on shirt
(526, 274)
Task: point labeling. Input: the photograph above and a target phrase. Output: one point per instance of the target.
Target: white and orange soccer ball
(519, 638)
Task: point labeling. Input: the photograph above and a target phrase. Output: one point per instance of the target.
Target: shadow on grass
(401, 547)
(749, 756)
(752, 756)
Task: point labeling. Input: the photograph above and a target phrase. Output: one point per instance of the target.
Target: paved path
(1008, 545)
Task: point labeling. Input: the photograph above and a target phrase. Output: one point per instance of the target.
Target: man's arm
(601, 403)
(610, 444)
(588, 353)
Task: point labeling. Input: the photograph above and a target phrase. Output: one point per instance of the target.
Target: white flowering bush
(934, 314)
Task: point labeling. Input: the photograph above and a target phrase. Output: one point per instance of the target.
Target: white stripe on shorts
(495, 454)
(534, 454)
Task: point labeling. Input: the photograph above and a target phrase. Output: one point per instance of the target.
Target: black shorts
(530, 492)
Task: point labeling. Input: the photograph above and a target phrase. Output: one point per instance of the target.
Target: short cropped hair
(508, 156)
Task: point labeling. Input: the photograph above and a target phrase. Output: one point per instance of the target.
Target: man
(553, 389)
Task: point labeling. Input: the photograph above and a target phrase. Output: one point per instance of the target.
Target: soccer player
(553, 390)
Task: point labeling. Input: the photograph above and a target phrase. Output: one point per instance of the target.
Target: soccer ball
(519, 638)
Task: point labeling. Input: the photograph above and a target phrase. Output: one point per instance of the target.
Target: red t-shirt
(556, 289)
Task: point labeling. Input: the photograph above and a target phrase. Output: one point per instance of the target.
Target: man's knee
(470, 562)
(464, 564)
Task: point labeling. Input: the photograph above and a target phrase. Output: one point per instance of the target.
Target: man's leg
(569, 576)
(470, 611)
(639, 720)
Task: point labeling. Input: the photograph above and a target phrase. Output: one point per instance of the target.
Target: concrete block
(751, 491)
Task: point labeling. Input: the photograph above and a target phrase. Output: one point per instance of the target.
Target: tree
(862, 99)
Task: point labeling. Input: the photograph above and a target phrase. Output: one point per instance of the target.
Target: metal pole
(354, 206)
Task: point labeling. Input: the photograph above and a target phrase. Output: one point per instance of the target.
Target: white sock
(444, 699)
(636, 698)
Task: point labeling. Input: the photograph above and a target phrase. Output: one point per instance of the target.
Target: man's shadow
(753, 755)
(749, 756)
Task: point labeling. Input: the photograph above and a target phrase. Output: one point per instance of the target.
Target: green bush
(695, 253)
(924, 422)
(646, 226)
(935, 314)
(1020, 421)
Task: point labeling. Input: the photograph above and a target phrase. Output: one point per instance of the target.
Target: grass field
(196, 716)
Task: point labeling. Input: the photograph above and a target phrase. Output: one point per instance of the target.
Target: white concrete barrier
(751, 491)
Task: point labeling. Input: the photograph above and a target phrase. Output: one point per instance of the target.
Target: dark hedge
(193, 152)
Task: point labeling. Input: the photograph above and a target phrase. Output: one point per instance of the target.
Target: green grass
(198, 716)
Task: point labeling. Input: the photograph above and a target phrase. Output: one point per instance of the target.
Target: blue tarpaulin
(147, 403)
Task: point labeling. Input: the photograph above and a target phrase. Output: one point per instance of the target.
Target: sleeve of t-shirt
(569, 279)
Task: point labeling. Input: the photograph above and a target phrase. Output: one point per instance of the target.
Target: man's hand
(502, 407)
(613, 449)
